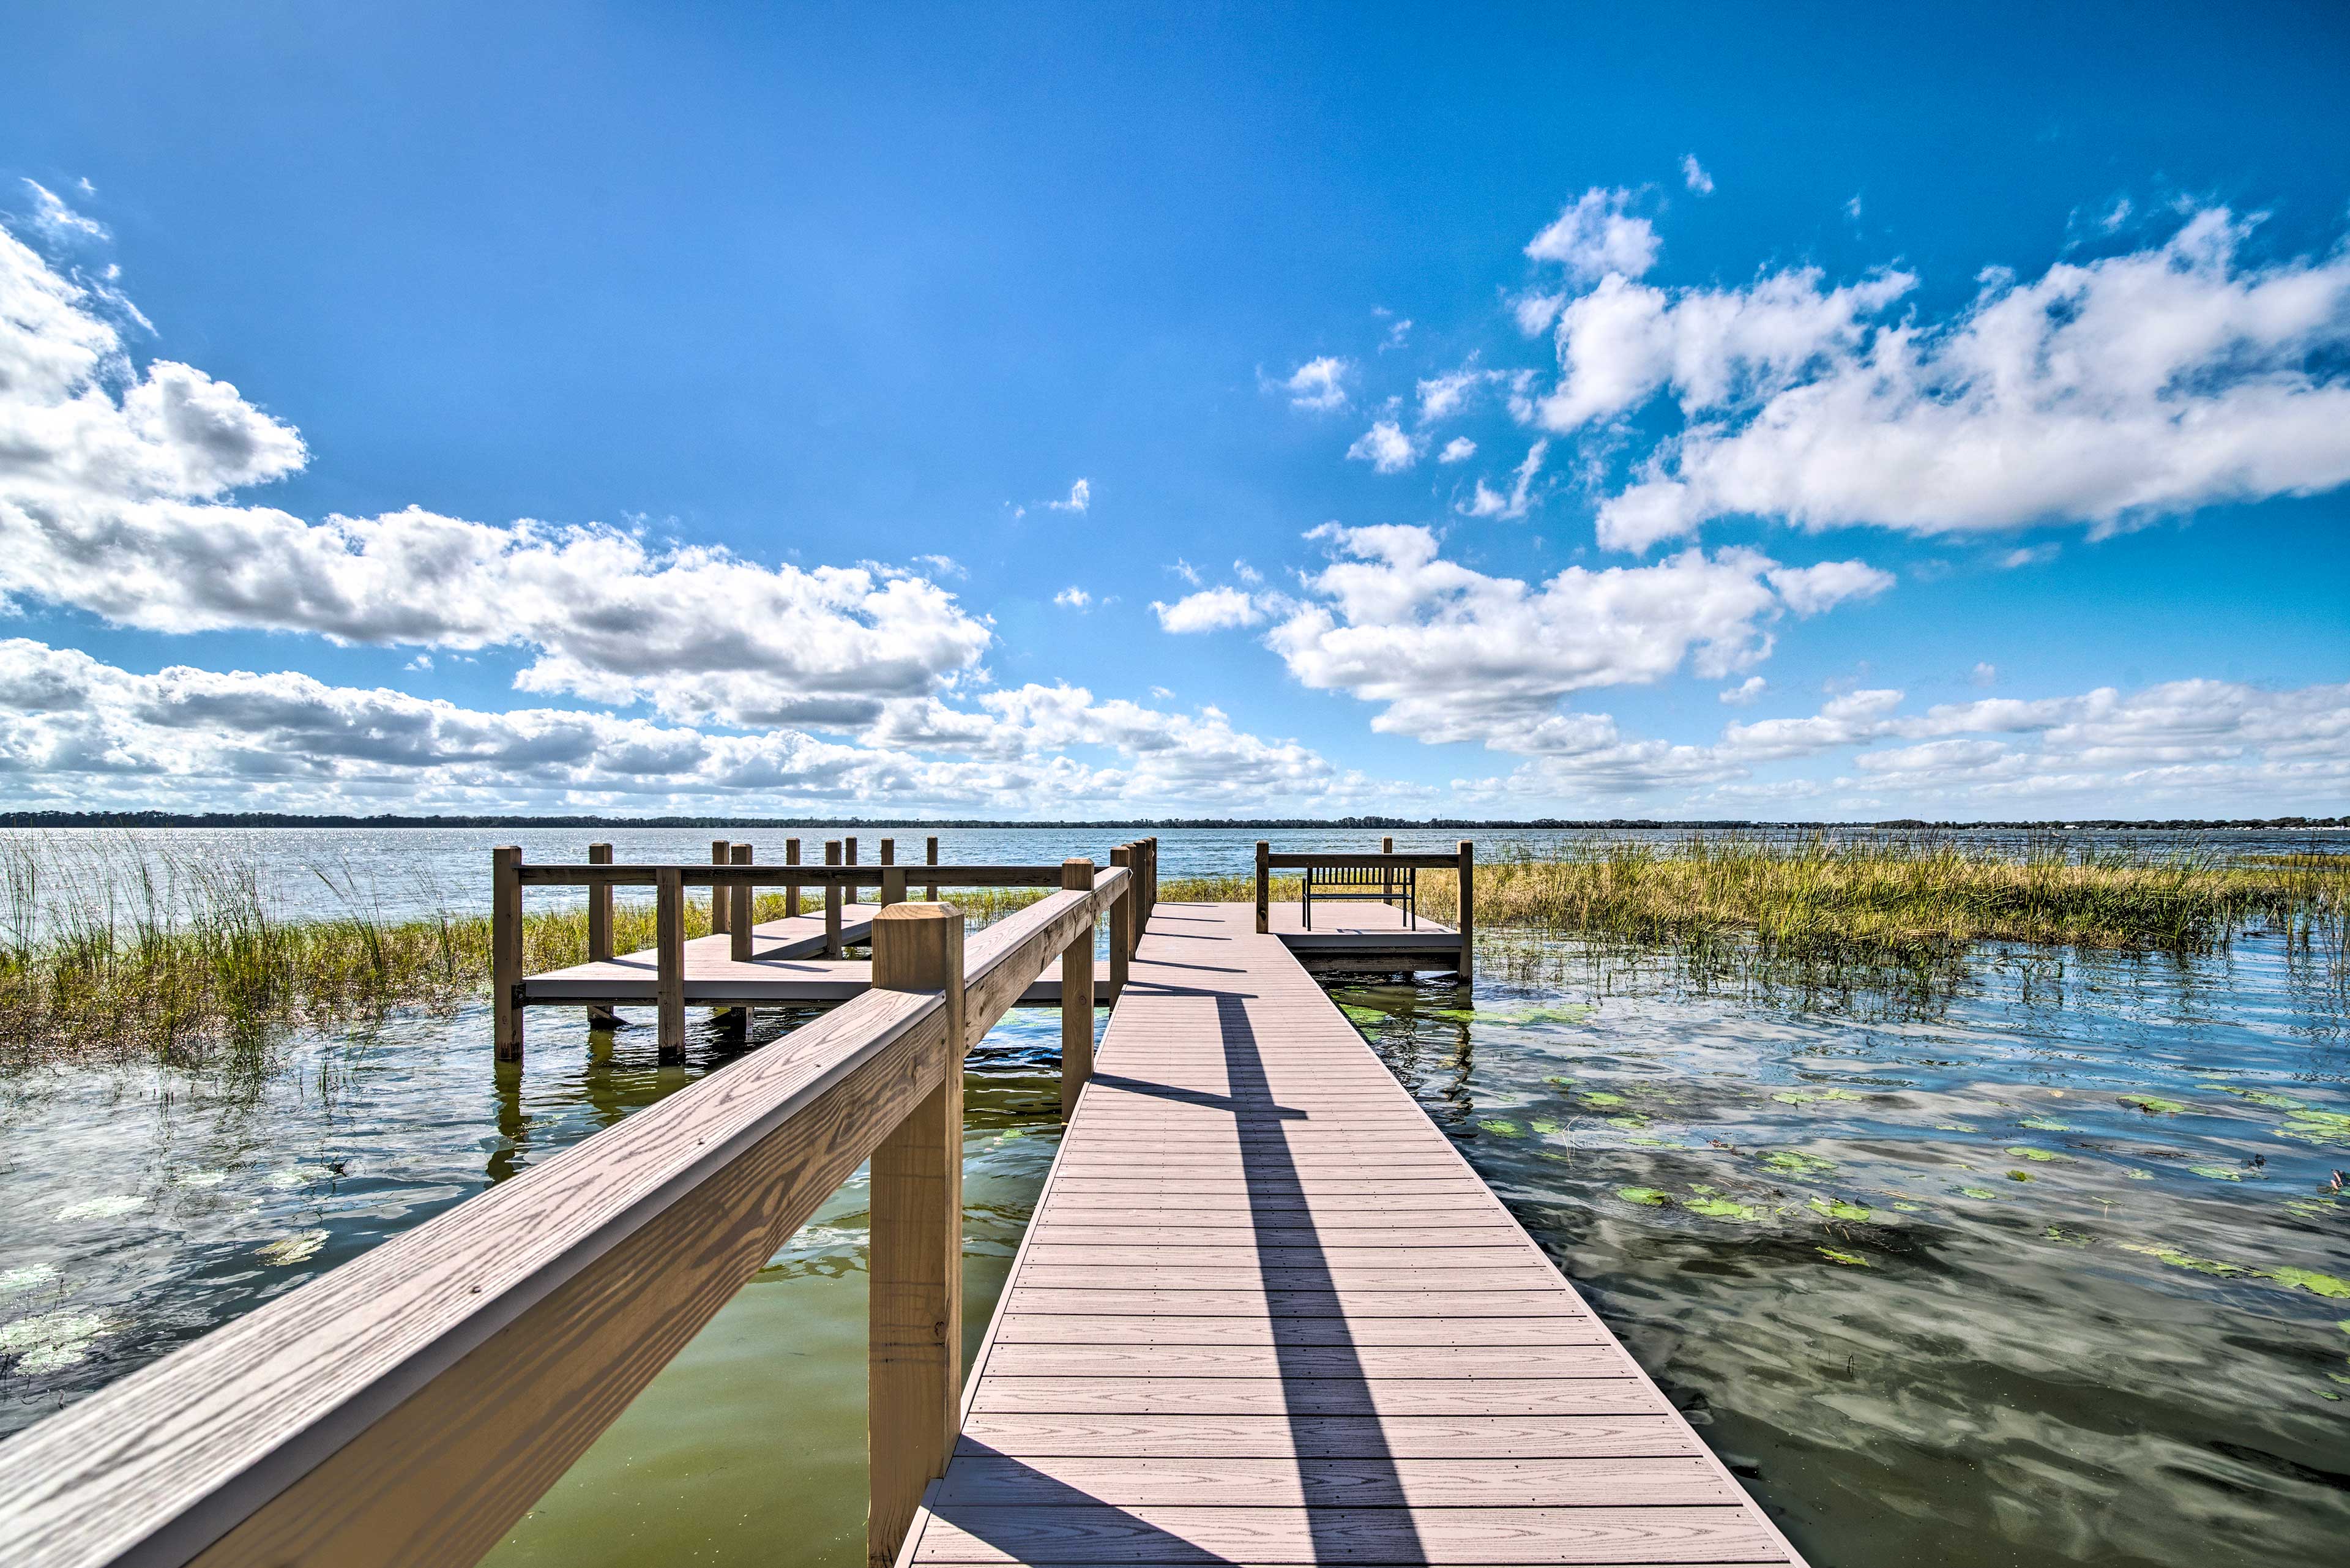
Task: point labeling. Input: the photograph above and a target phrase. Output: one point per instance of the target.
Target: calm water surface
(2048, 1269)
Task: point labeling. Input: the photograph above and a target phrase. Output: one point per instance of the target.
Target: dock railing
(1462, 861)
(733, 881)
(408, 1406)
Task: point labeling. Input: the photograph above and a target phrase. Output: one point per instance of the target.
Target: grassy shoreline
(126, 956)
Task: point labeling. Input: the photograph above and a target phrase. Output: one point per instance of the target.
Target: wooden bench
(1363, 884)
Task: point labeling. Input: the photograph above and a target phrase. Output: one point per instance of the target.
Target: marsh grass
(126, 948)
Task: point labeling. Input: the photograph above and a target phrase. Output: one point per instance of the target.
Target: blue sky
(1548, 411)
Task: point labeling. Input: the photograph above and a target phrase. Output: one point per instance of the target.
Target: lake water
(2035, 1271)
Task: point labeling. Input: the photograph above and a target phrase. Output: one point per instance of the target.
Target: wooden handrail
(1416, 861)
(544, 874)
(407, 1407)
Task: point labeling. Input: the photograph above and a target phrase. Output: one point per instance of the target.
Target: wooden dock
(1266, 1314)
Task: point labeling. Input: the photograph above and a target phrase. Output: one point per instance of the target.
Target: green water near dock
(2037, 1266)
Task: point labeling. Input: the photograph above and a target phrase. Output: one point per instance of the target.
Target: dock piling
(1264, 888)
(599, 930)
(1076, 996)
(791, 889)
(1468, 921)
(505, 949)
(1121, 924)
(720, 851)
(668, 929)
(832, 901)
(930, 857)
(914, 1358)
(739, 916)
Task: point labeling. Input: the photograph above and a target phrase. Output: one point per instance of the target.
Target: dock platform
(1266, 1314)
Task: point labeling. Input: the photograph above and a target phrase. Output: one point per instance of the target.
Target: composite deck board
(1266, 1314)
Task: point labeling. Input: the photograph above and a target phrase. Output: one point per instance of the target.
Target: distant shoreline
(21, 819)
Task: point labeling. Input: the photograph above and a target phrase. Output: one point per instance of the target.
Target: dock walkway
(1266, 1314)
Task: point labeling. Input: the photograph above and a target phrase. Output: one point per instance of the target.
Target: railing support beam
(915, 1280)
(1468, 874)
(1121, 924)
(1076, 996)
(1263, 889)
(832, 902)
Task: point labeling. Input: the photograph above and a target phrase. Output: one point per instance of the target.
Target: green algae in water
(1650, 1197)
(2152, 1104)
(2318, 1126)
(1841, 1209)
(1795, 1164)
(1601, 1097)
(1982, 1193)
(1541, 1125)
(2045, 1124)
(1953, 1126)
(2018, 1175)
(1837, 1255)
(2217, 1172)
(1911, 1207)
(1565, 1012)
(287, 1251)
(2312, 1282)
(2312, 1208)
(1365, 1017)
(1500, 1127)
(1724, 1208)
(2025, 1151)
(1807, 1096)
(2258, 1098)
(2215, 1267)
(2069, 1237)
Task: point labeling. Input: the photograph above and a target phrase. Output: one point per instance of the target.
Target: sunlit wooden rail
(407, 1407)
(1265, 1313)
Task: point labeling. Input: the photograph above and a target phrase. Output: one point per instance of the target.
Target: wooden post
(893, 885)
(1121, 925)
(1387, 875)
(669, 974)
(1468, 874)
(599, 930)
(1076, 996)
(930, 857)
(505, 949)
(739, 916)
(848, 894)
(832, 902)
(888, 852)
(914, 1279)
(791, 889)
(720, 852)
(1263, 889)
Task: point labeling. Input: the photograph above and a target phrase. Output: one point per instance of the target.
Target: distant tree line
(1612, 823)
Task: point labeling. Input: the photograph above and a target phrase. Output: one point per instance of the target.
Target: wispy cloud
(1317, 384)
(1694, 176)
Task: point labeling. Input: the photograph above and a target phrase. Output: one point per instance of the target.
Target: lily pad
(1724, 1208)
(2152, 1104)
(2046, 1124)
(1806, 1096)
(1984, 1193)
(2217, 1172)
(1849, 1259)
(2025, 1151)
(1601, 1097)
(1501, 1127)
(1841, 1209)
(1651, 1197)
(1629, 1124)
(1795, 1164)
(1541, 1125)
(2018, 1175)
(2258, 1098)
(1953, 1126)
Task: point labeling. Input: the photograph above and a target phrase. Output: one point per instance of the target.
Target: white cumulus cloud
(1210, 610)
(1386, 448)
